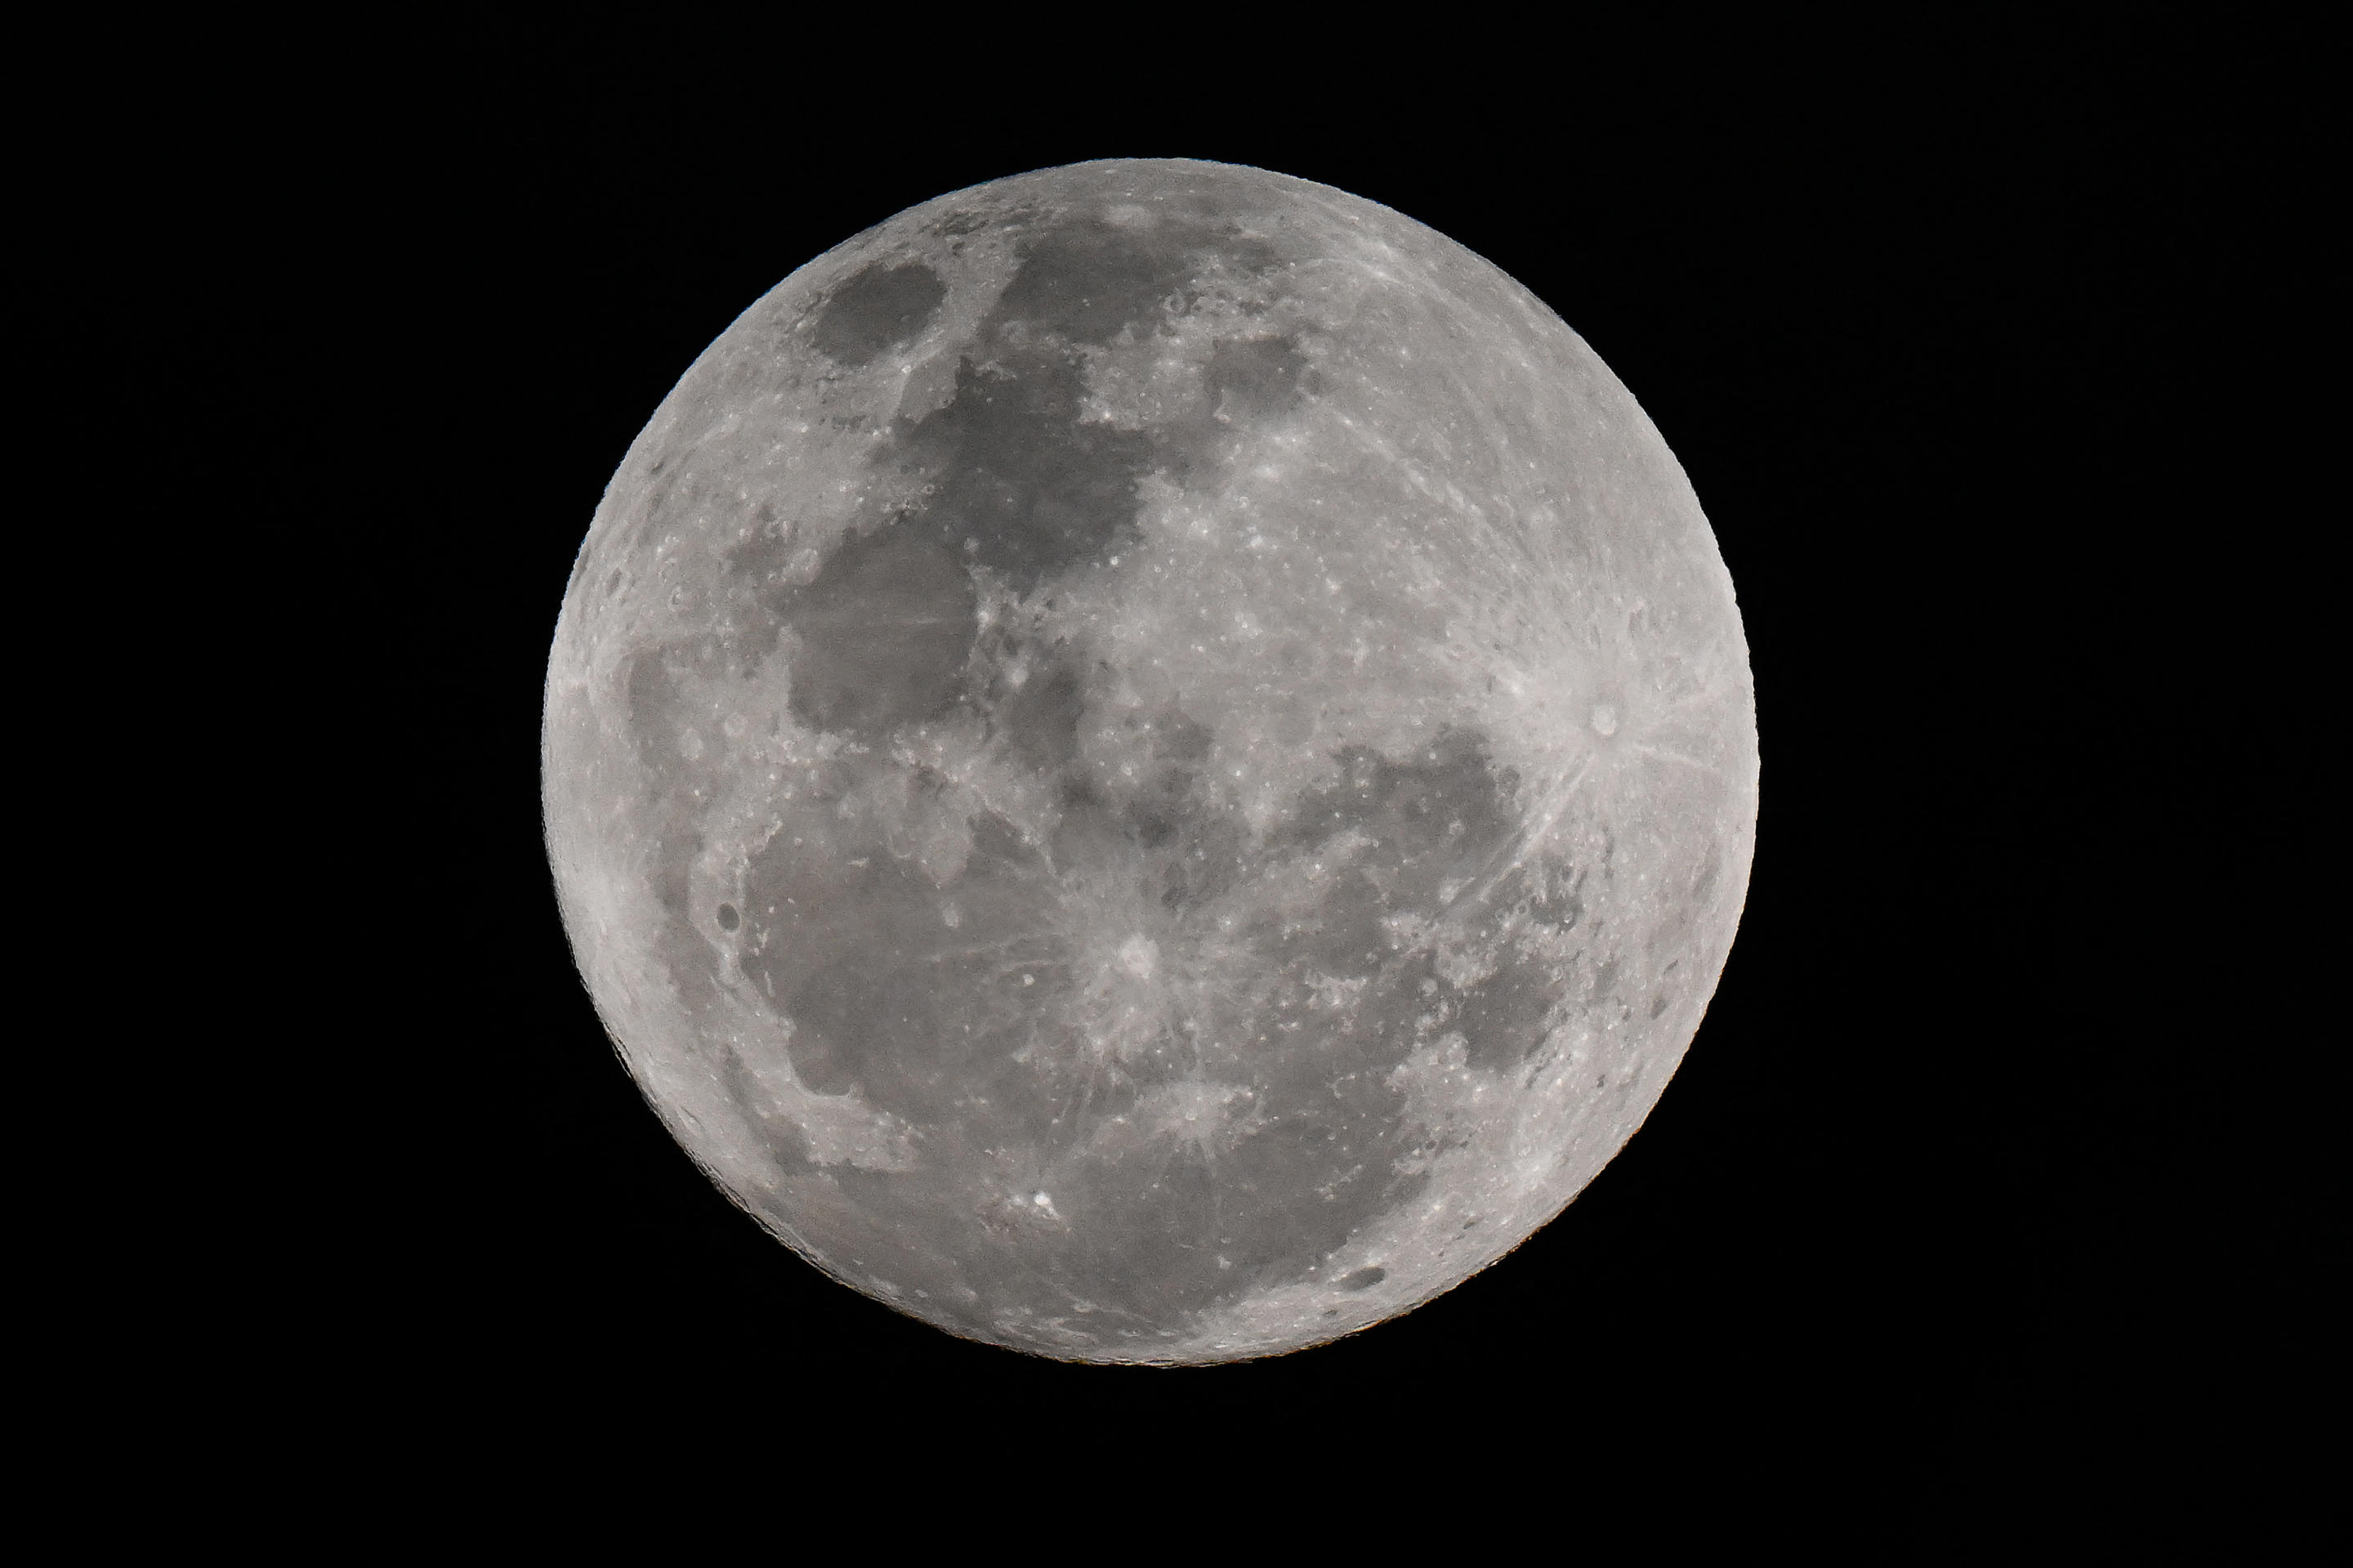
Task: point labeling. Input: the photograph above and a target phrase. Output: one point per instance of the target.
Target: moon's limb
(1150, 762)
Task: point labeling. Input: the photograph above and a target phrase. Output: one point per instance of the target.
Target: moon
(1150, 762)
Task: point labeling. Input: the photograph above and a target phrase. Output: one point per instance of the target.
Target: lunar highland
(1150, 762)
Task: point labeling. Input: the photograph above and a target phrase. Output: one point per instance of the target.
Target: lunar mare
(1150, 762)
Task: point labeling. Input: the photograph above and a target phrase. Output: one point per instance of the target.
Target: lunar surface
(1150, 762)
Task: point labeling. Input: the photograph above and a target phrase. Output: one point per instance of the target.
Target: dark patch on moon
(1448, 797)
(653, 713)
(1179, 740)
(881, 307)
(1085, 279)
(1041, 716)
(1193, 848)
(885, 997)
(1363, 1279)
(1254, 379)
(960, 223)
(885, 628)
(1502, 1019)
(1019, 482)
(1015, 479)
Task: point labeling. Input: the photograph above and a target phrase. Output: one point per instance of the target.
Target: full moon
(1150, 762)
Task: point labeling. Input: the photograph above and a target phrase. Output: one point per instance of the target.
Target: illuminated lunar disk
(1150, 762)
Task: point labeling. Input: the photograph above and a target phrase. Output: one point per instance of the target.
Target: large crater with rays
(1150, 762)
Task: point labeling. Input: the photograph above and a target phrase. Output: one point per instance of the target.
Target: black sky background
(1900, 1251)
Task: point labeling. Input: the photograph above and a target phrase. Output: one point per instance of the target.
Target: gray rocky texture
(1150, 762)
